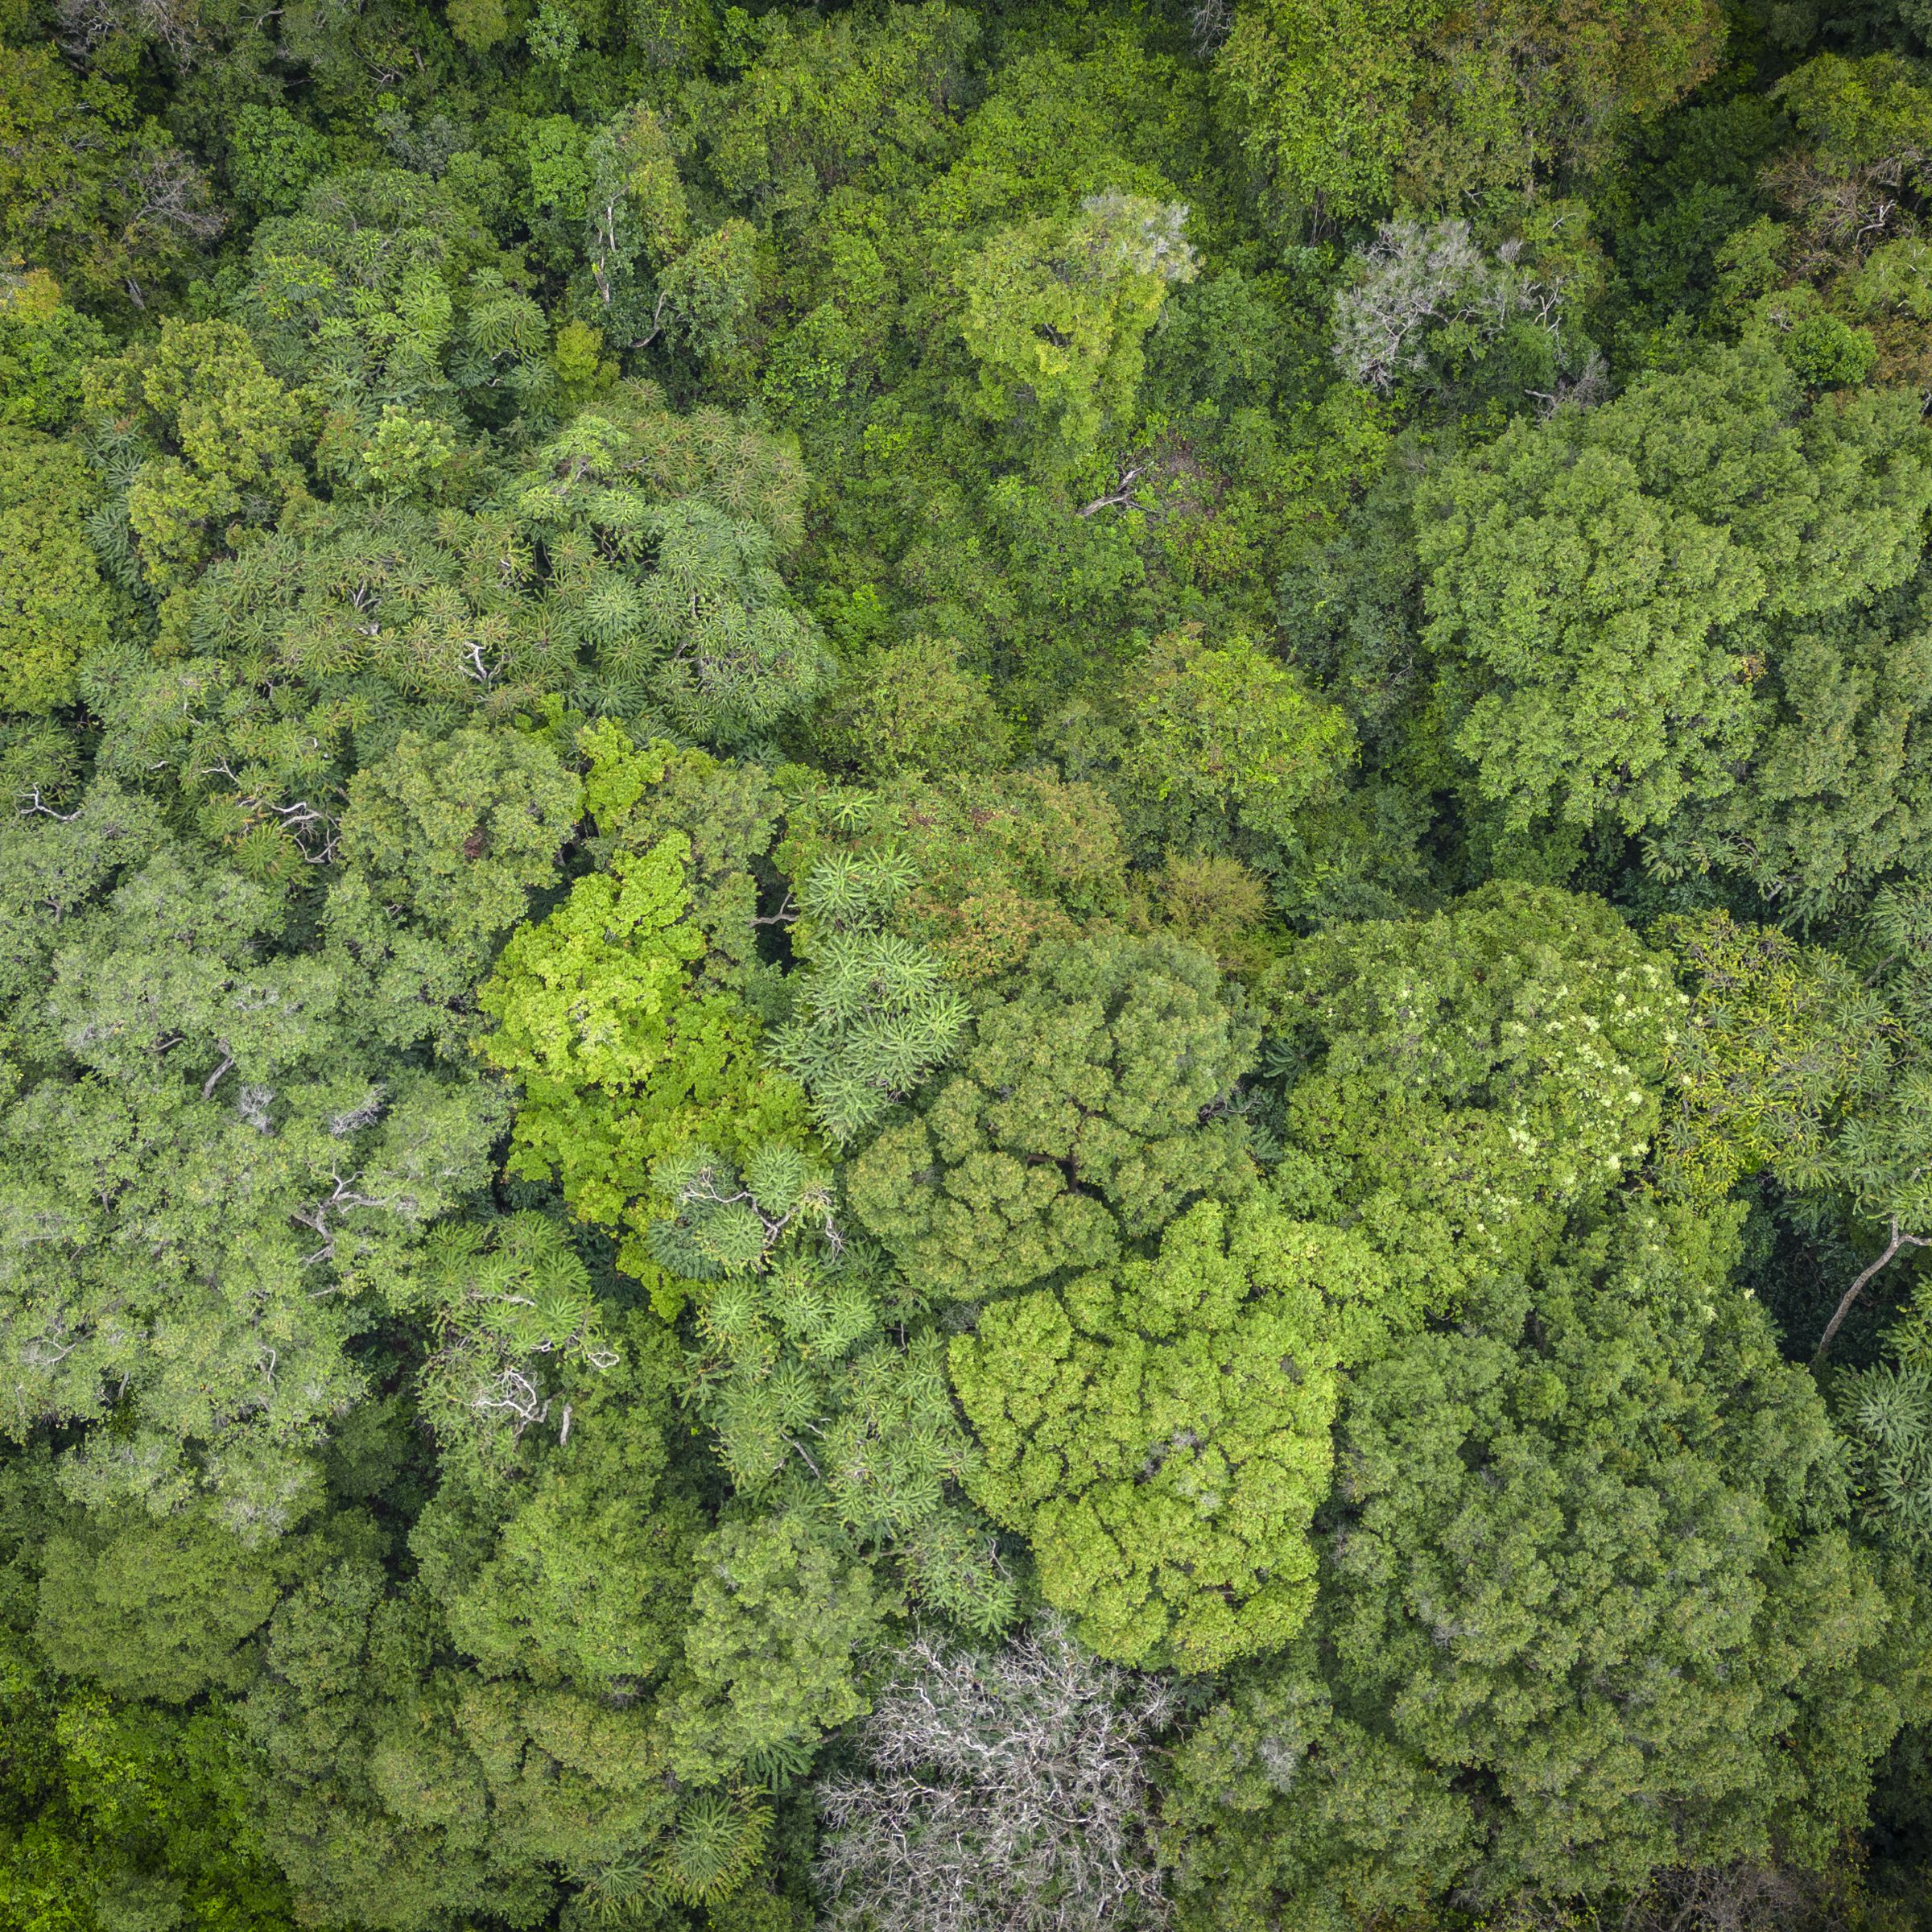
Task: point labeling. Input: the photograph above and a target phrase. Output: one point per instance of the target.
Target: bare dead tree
(1006, 1788)
(175, 25)
(1210, 22)
(165, 191)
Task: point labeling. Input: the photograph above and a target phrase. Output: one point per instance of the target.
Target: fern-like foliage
(1885, 1412)
(810, 1365)
(874, 1016)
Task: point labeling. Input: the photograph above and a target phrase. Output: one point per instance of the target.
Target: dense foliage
(966, 964)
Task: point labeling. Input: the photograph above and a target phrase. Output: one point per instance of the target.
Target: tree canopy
(967, 965)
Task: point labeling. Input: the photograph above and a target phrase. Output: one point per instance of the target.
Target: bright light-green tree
(1055, 311)
(630, 1039)
(1160, 1432)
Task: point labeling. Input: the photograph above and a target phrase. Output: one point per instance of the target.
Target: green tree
(1832, 794)
(1600, 582)
(998, 861)
(649, 276)
(386, 295)
(54, 607)
(1160, 1432)
(206, 1162)
(500, 1299)
(778, 1618)
(455, 835)
(124, 1815)
(1089, 1108)
(872, 1019)
(810, 1357)
(1867, 135)
(560, 1546)
(679, 596)
(1227, 732)
(1590, 1564)
(1492, 1070)
(911, 708)
(1799, 1066)
(313, 651)
(91, 189)
(151, 1609)
(44, 345)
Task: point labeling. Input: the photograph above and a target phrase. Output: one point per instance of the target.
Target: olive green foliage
(386, 294)
(911, 708)
(504, 1297)
(1802, 1069)
(148, 1609)
(1779, 1037)
(92, 187)
(1886, 1412)
(127, 1812)
(559, 1545)
(997, 862)
(309, 653)
(1834, 796)
(1088, 1108)
(677, 595)
(1160, 1431)
(54, 607)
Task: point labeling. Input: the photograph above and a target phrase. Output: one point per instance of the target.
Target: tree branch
(1897, 1241)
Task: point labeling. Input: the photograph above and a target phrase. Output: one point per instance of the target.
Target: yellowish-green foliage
(622, 1061)
(1230, 726)
(227, 439)
(1159, 1431)
(54, 607)
(627, 1049)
